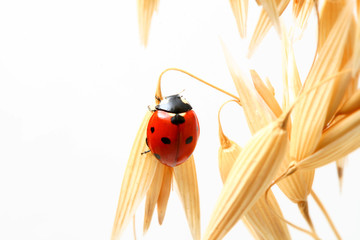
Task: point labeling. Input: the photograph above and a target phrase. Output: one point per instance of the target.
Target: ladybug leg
(145, 152)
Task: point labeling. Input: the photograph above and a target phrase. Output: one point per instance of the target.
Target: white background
(74, 85)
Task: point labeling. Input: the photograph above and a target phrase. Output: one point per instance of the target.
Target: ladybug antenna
(181, 91)
(158, 94)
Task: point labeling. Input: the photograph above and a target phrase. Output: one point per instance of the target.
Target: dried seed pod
(146, 9)
(152, 196)
(329, 15)
(186, 182)
(227, 155)
(138, 176)
(240, 11)
(336, 142)
(259, 219)
(228, 150)
(263, 25)
(256, 110)
(290, 74)
(309, 121)
(249, 177)
(164, 193)
(266, 94)
(302, 10)
(352, 104)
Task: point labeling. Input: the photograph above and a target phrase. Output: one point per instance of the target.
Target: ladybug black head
(174, 104)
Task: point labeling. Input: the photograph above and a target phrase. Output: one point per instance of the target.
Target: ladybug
(173, 131)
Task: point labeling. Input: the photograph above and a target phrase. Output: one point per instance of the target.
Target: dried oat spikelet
(256, 110)
(164, 193)
(138, 176)
(309, 114)
(252, 230)
(249, 177)
(266, 93)
(186, 182)
(352, 104)
(263, 25)
(259, 219)
(146, 9)
(152, 196)
(309, 121)
(328, 17)
(302, 10)
(240, 11)
(336, 142)
(228, 150)
(290, 74)
(264, 222)
(356, 67)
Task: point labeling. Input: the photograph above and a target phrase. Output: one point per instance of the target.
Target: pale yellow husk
(256, 110)
(290, 74)
(352, 104)
(328, 17)
(259, 219)
(248, 179)
(266, 94)
(302, 10)
(138, 176)
(252, 231)
(240, 11)
(227, 156)
(338, 141)
(270, 86)
(152, 196)
(263, 220)
(263, 25)
(146, 9)
(186, 182)
(309, 121)
(164, 193)
(356, 67)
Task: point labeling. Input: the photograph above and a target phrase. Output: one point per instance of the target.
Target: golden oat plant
(317, 123)
(146, 176)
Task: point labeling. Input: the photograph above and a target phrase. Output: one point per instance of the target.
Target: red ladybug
(173, 131)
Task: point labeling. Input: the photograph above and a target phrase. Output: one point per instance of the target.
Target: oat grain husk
(138, 176)
(186, 182)
(249, 177)
(146, 9)
(240, 11)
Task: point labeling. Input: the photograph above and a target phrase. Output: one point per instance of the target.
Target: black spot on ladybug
(157, 156)
(189, 140)
(177, 119)
(165, 140)
(152, 129)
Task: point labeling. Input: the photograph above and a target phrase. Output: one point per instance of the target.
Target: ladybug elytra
(173, 131)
